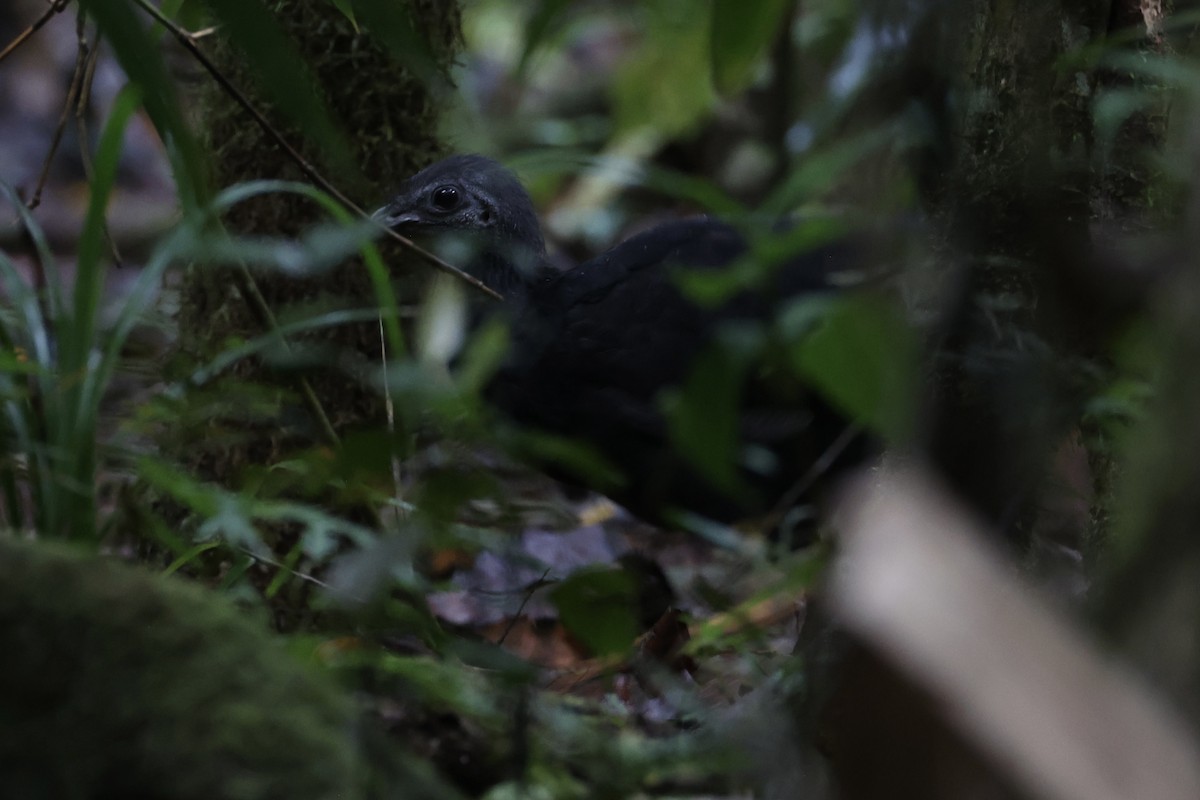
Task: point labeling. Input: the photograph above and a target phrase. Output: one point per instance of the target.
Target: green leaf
(380, 280)
(442, 320)
(233, 354)
(484, 354)
(347, 9)
(141, 58)
(17, 363)
(863, 359)
(769, 252)
(821, 169)
(1112, 108)
(282, 74)
(92, 256)
(543, 21)
(443, 684)
(189, 555)
(664, 86)
(703, 418)
(318, 250)
(599, 606)
(573, 455)
(392, 24)
(741, 34)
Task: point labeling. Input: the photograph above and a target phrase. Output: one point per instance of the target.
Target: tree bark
(389, 117)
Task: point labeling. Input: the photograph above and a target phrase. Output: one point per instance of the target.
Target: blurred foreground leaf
(599, 606)
(742, 33)
(863, 358)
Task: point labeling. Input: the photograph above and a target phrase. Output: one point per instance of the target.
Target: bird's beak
(390, 218)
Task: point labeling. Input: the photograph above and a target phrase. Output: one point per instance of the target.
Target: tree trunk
(1017, 203)
(389, 117)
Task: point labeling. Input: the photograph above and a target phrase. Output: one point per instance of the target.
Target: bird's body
(595, 350)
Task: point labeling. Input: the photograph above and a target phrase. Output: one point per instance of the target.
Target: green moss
(388, 116)
(116, 683)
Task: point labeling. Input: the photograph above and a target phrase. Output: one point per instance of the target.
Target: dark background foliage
(212, 367)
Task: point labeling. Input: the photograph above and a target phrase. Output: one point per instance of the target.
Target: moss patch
(120, 684)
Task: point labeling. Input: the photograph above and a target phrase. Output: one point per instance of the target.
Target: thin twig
(267, 318)
(82, 104)
(810, 476)
(278, 565)
(390, 408)
(188, 42)
(56, 7)
(533, 587)
(68, 105)
(89, 77)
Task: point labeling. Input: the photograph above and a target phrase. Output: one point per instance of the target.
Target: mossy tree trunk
(1029, 186)
(1018, 204)
(389, 118)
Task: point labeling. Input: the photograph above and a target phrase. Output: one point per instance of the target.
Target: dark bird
(599, 351)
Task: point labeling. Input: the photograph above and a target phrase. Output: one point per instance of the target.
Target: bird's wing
(693, 243)
(600, 341)
(594, 348)
(624, 318)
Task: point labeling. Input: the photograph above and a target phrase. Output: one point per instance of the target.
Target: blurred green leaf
(367, 573)
(392, 24)
(79, 335)
(599, 606)
(237, 352)
(442, 321)
(231, 522)
(716, 533)
(380, 277)
(417, 388)
(863, 359)
(711, 287)
(141, 58)
(1178, 72)
(283, 75)
(1113, 108)
(702, 417)
(316, 251)
(697, 190)
(769, 252)
(443, 491)
(577, 457)
(819, 170)
(664, 86)
(543, 21)
(17, 363)
(190, 14)
(347, 9)
(742, 33)
(285, 572)
(187, 490)
(188, 556)
(52, 421)
(447, 685)
(483, 355)
(231, 516)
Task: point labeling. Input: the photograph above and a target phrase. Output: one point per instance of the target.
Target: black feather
(594, 348)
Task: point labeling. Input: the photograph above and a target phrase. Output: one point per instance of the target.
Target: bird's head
(475, 202)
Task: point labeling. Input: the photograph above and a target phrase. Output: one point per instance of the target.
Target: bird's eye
(445, 198)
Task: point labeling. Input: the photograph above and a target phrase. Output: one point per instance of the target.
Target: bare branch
(68, 104)
(56, 7)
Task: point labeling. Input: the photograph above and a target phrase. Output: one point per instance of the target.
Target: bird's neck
(511, 272)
